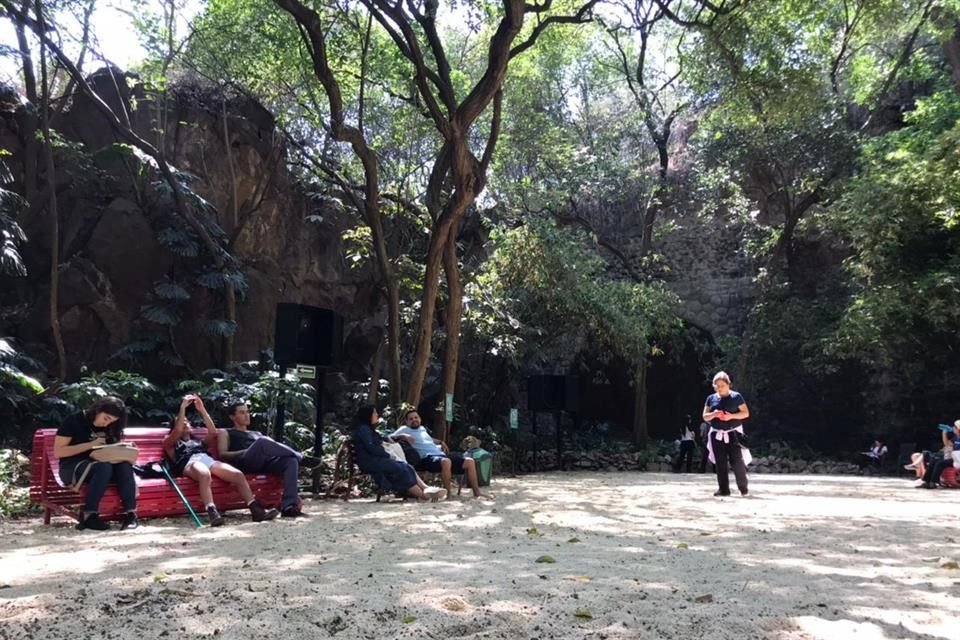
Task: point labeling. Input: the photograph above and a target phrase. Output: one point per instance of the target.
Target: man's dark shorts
(432, 463)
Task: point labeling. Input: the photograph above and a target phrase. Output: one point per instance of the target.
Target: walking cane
(180, 493)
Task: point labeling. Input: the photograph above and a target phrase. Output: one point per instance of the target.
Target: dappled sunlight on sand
(621, 556)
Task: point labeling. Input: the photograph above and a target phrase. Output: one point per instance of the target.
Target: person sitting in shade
(190, 457)
(103, 423)
(434, 458)
(873, 457)
(389, 473)
(252, 452)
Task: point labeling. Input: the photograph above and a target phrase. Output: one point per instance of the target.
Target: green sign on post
(449, 408)
(307, 372)
(514, 419)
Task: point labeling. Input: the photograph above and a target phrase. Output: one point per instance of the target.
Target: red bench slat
(156, 497)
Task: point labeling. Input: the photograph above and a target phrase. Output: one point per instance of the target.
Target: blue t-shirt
(422, 442)
(730, 403)
(956, 441)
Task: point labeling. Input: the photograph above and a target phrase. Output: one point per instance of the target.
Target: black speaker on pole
(307, 335)
(553, 393)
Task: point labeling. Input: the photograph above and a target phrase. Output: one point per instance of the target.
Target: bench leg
(46, 515)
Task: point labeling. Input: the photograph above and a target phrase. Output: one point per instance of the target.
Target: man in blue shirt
(433, 458)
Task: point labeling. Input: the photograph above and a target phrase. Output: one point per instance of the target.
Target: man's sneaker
(93, 522)
(292, 512)
(310, 462)
(721, 494)
(129, 521)
(745, 493)
(260, 514)
(216, 520)
(436, 494)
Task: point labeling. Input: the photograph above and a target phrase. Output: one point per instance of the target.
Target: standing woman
(726, 410)
(102, 423)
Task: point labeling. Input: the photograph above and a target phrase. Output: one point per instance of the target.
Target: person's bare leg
(446, 475)
(473, 480)
(201, 474)
(234, 476)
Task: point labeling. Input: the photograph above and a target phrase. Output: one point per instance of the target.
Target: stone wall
(110, 255)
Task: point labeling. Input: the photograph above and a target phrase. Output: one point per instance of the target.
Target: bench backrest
(45, 466)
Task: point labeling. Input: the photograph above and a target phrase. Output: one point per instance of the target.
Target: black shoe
(292, 512)
(216, 520)
(260, 514)
(721, 494)
(93, 522)
(129, 521)
(310, 462)
(745, 493)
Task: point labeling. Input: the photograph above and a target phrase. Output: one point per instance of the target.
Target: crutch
(173, 484)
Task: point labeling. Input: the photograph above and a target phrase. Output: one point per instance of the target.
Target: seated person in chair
(190, 457)
(434, 458)
(253, 452)
(872, 459)
(389, 473)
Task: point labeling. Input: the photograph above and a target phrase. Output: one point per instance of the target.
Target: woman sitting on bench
(190, 457)
(389, 474)
(101, 424)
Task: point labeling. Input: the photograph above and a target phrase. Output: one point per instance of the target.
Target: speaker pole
(281, 418)
(558, 418)
(318, 426)
(536, 442)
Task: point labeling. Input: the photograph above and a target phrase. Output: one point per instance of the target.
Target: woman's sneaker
(93, 522)
(216, 520)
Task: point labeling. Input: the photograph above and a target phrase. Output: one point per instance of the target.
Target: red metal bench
(156, 498)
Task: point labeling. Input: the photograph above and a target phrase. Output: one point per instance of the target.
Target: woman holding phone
(725, 410)
(191, 457)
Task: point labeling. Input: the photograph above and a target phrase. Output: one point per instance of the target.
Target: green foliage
(900, 217)
(14, 497)
(11, 235)
(544, 289)
(143, 398)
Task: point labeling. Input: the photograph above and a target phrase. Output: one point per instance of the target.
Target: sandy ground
(636, 556)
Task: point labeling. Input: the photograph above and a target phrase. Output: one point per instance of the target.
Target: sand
(636, 556)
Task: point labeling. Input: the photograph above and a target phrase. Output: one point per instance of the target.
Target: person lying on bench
(433, 458)
(253, 452)
(102, 423)
(388, 473)
(190, 457)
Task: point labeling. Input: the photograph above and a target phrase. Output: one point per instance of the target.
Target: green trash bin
(484, 461)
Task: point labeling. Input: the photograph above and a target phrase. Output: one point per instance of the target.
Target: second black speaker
(553, 393)
(307, 335)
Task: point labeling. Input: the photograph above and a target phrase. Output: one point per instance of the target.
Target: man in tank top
(253, 452)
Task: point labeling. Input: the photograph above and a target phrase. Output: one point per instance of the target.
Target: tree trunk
(641, 433)
(374, 394)
(951, 49)
(442, 231)
(28, 122)
(54, 299)
(454, 317)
